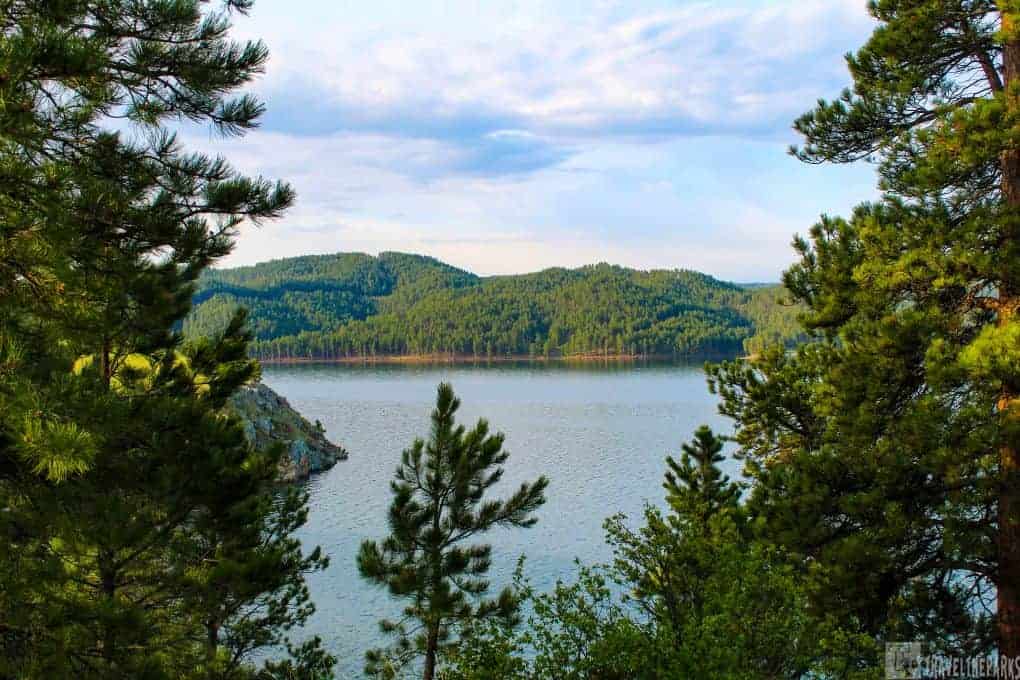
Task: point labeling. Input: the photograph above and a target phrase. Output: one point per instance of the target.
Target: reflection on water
(600, 431)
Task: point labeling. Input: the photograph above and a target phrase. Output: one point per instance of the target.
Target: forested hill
(356, 305)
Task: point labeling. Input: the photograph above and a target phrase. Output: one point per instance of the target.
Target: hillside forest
(352, 305)
(146, 536)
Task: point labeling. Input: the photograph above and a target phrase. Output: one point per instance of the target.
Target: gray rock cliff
(267, 418)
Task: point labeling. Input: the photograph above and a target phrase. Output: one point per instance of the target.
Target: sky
(506, 136)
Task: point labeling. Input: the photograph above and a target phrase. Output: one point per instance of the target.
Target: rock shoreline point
(268, 417)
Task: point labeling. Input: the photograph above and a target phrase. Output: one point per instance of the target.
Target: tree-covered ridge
(356, 305)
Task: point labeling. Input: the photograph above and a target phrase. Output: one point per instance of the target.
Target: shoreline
(500, 359)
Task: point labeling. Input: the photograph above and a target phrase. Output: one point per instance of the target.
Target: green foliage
(696, 486)
(577, 631)
(439, 503)
(143, 536)
(485, 650)
(729, 606)
(701, 599)
(353, 305)
(883, 456)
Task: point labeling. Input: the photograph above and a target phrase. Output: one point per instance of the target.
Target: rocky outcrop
(268, 418)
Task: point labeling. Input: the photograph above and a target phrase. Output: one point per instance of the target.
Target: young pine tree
(668, 560)
(695, 486)
(439, 506)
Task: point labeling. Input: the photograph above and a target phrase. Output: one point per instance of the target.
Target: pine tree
(439, 503)
(92, 216)
(245, 568)
(718, 603)
(696, 486)
(669, 559)
(887, 452)
(145, 537)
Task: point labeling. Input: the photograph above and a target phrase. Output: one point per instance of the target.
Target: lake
(599, 432)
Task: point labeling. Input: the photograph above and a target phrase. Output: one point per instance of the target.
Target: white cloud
(650, 206)
(512, 135)
(705, 67)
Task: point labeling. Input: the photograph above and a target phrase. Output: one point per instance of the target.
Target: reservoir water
(599, 432)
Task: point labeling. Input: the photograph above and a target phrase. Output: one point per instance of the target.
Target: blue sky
(507, 136)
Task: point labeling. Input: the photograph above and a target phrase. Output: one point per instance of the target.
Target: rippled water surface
(600, 433)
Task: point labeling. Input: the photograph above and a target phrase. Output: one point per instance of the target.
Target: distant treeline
(354, 305)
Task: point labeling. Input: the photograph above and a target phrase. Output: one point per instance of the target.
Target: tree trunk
(108, 587)
(431, 651)
(105, 367)
(1008, 586)
(212, 643)
(432, 641)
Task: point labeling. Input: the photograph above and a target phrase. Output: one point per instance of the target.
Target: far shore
(495, 359)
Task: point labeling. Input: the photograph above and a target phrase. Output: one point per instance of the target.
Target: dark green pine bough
(698, 476)
(439, 504)
(142, 535)
(886, 455)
